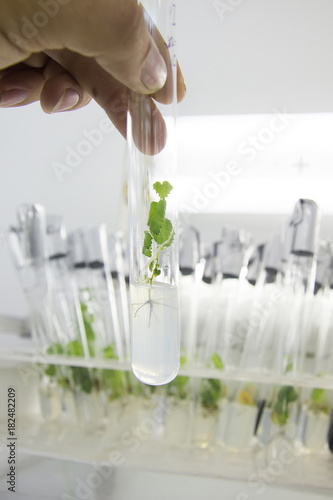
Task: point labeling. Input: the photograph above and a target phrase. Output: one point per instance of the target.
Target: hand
(65, 52)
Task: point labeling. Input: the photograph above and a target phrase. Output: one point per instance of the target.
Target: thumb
(113, 32)
(138, 64)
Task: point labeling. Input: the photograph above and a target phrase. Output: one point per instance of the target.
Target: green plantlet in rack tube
(285, 396)
(178, 387)
(114, 380)
(281, 409)
(212, 389)
(81, 374)
(160, 235)
(57, 373)
(318, 402)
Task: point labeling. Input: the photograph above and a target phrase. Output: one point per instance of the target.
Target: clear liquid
(222, 422)
(155, 333)
(204, 427)
(90, 411)
(315, 436)
(177, 421)
(50, 403)
(240, 426)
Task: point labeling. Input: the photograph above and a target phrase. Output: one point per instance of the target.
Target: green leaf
(215, 385)
(163, 190)
(292, 395)
(179, 386)
(318, 395)
(147, 244)
(84, 308)
(165, 235)
(285, 396)
(152, 265)
(183, 360)
(50, 371)
(210, 393)
(289, 364)
(88, 319)
(156, 216)
(81, 377)
(217, 361)
(55, 348)
(114, 380)
(74, 348)
(89, 331)
(109, 352)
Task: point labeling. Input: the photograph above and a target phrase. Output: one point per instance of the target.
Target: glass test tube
(300, 280)
(154, 299)
(27, 246)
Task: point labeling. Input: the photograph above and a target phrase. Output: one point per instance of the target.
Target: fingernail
(184, 94)
(67, 101)
(12, 97)
(154, 72)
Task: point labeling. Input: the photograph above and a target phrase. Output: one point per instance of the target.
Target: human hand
(65, 52)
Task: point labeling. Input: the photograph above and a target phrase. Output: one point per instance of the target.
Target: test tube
(260, 328)
(67, 319)
(117, 270)
(233, 299)
(301, 269)
(190, 277)
(153, 226)
(300, 280)
(27, 244)
(320, 314)
(255, 264)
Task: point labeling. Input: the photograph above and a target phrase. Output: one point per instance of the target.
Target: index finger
(110, 94)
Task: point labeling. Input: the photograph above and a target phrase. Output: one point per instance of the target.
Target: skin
(87, 49)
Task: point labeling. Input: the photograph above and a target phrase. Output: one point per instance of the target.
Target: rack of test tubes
(256, 348)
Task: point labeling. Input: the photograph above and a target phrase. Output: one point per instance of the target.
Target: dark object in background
(330, 434)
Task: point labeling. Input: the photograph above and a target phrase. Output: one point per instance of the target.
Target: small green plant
(179, 386)
(88, 320)
(212, 389)
(57, 373)
(318, 402)
(285, 396)
(81, 375)
(114, 380)
(247, 395)
(281, 409)
(160, 235)
(73, 375)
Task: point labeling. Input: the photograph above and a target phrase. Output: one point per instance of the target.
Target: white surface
(31, 144)
(243, 163)
(40, 478)
(260, 55)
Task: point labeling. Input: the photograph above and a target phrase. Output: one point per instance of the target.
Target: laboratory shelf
(33, 358)
(137, 440)
(63, 440)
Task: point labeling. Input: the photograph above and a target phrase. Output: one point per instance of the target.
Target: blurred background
(254, 131)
